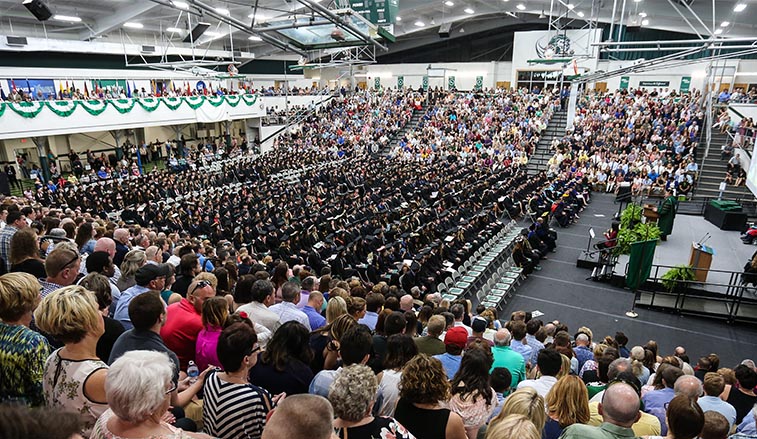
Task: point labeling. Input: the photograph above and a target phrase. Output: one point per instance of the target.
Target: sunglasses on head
(74, 259)
(200, 284)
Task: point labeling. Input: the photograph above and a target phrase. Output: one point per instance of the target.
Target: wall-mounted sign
(624, 80)
(654, 83)
(685, 84)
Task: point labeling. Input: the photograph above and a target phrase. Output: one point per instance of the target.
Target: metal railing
(730, 294)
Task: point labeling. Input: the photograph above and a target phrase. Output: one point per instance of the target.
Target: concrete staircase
(713, 171)
(555, 129)
(411, 125)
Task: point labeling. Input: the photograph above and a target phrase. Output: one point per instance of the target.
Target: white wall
(465, 74)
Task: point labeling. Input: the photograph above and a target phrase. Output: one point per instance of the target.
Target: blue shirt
(322, 381)
(369, 319)
(716, 404)
(122, 308)
(523, 349)
(536, 347)
(316, 320)
(451, 363)
(583, 354)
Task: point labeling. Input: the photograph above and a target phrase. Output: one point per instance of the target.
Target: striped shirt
(233, 410)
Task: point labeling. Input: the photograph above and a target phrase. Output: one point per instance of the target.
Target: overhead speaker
(444, 30)
(197, 32)
(38, 9)
(148, 49)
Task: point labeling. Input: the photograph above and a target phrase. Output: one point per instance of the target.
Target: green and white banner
(624, 80)
(451, 82)
(685, 84)
(425, 82)
(400, 81)
(377, 83)
(96, 107)
(479, 82)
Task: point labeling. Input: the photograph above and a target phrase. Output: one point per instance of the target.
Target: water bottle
(193, 372)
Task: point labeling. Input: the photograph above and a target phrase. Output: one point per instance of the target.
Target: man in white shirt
(257, 296)
(549, 362)
(287, 310)
(458, 310)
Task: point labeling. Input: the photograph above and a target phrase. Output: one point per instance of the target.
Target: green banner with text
(685, 84)
(624, 80)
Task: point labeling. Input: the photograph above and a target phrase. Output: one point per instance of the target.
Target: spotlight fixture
(419, 23)
(725, 24)
(521, 7)
(739, 7)
(469, 11)
(134, 25)
(449, 3)
(180, 5)
(254, 38)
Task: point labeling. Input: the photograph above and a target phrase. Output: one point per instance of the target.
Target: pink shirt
(206, 350)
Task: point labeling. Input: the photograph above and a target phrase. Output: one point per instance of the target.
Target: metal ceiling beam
(117, 18)
(331, 16)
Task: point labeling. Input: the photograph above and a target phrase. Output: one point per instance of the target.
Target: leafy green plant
(639, 232)
(676, 275)
(631, 215)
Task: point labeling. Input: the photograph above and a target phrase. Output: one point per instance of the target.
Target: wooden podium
(700, 259)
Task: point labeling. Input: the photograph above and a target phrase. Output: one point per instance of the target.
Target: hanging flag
(128, 90)
(2, 94)
(152, 87)
(134, 89)
(173, 90)
(189, 90)
(60, 88)
(28, 87)
(13, 84)
(210, 85)
(67, 89)
(86, 91)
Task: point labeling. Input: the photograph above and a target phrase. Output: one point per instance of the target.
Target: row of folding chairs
(478, 271)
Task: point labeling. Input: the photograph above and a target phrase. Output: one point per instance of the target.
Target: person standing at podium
(667, 211)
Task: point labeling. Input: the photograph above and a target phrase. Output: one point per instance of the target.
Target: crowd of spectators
(294, 295)
(639, 138)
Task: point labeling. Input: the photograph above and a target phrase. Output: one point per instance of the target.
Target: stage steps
(543, 152)
(712, 173)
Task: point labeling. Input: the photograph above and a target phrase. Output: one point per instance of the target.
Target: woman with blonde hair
(567, 404)
(131, 263)
(423, 391)
(637, 364)
(74, 378)
(22, 350)
(514, 427)
(526, 402)
(335, 308)
(356, 307)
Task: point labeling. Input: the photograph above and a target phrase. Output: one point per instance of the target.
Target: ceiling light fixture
(521, 7)
(180, 5)
(133, 25)
(718, 31)
(580, 14)
(637, 1)
(419, 23)
(644, 22)
(68, 18)
(449, 3)
(222, 11)
(725, 24)
(174, 29)
(739, 7)
(213, 34)
(642, 14)
(254, 38)
(398, 18)
(571, 6)
(469, 11)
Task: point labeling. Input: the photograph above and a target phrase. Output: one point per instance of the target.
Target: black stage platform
(561, 292)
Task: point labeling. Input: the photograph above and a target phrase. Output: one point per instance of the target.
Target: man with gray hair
(619, 410)
(153, 255)
(299, 416)
(617, 367)
(287, 310)
(505, 357)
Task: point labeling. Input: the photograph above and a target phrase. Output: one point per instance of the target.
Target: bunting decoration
(95, 107)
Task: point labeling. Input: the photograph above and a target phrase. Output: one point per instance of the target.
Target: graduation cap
(270, 228)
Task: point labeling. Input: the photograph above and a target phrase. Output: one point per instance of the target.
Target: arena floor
(561, 292)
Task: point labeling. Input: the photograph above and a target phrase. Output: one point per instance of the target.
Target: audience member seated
(298, 416)
(741, 397)
(424, 388)
(353, 394)
(400, 349)
(472, 396)
(21, 422)
(232, 407)
(74, 378)
(23, 352)
(567, 404)
(148, 277)
(100, 285)
(139, 386)
(354, 347)
(284, 366)
(184, 321)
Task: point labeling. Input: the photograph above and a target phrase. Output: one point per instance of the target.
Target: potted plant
(675, 277)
